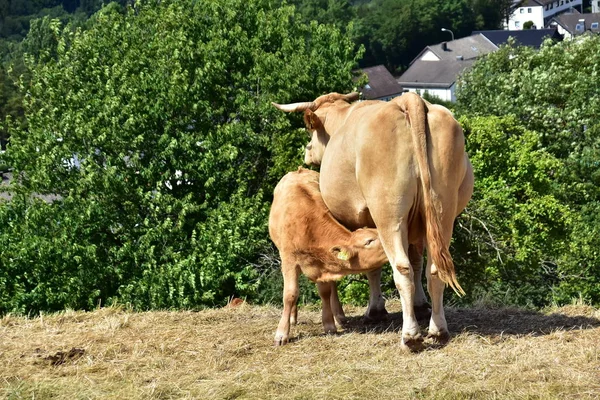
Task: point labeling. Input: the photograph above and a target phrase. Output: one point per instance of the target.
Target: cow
(310, 240)
(399, 166)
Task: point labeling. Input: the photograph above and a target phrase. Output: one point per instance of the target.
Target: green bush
(552, 92)
(155, 128)
(509, 241)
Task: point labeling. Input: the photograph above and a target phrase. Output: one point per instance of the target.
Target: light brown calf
(310, 240)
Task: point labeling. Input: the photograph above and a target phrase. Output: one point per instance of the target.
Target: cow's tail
(414, 108)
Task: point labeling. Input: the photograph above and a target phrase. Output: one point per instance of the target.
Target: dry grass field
(228, 354)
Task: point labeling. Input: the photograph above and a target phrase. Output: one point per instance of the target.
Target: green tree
(395, 31)
(338, 12)
(553, 92)
(510, 240)
(155, 128)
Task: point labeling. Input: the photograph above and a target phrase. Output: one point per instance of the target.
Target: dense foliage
(17, 18)
(155, 128)
(553, 94)
(393, 32)
(151, 128)
(509, 241)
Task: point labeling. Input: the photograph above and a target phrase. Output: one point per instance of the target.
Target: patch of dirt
(62, 357)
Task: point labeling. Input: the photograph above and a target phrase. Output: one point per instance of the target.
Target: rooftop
(469, 47)
(381, 83)
(570, 21)
(527, 37)
(434, 73)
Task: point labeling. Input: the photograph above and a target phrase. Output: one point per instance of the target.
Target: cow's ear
(311, 120)
(341, 252)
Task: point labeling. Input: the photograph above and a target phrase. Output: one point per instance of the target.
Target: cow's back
(296, 202)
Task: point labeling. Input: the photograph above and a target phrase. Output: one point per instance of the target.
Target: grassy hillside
(228, 353)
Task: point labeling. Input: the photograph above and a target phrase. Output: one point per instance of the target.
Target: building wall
(444, 94)
(566, 34)
(524, 14)
(540, 14)
(429, 56)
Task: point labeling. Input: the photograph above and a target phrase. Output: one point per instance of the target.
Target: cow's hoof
(413, 344)
(376, 314)
(341, 319)
(441, 338)
(280, 341)
(423, 312)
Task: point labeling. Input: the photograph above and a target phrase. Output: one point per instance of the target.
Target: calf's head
(363, 251)
(315, 118)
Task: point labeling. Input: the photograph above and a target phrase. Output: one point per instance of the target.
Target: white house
(540, 12)
(435, 70)
(437, 67)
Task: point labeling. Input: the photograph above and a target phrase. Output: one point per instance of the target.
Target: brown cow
(399, 166)
(310, 240)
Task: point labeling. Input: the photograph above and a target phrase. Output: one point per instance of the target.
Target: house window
(517, 24)
(529, 10)
(594, 25)
(522, 10)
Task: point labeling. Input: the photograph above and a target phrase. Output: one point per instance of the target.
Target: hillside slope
(228, 353)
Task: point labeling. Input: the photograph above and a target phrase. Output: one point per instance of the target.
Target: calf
(310, 240)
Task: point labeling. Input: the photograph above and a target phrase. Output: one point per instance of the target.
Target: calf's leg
(336, 305)
(290, 297)
(376, 308)
(294, 314)
(327, 314)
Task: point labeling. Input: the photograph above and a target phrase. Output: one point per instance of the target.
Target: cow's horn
(307, 105)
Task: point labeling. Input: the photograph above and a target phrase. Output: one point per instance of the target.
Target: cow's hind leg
(336, 305)
(395, 242)
(327, 314)
(290, 297)
(438, 328)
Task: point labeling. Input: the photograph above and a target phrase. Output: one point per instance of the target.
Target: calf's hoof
(442, 337)
(341, 319)
(412, 343)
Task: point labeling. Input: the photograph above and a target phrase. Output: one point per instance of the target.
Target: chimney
(444, 46)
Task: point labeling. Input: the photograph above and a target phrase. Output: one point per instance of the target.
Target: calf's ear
(341, 252)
